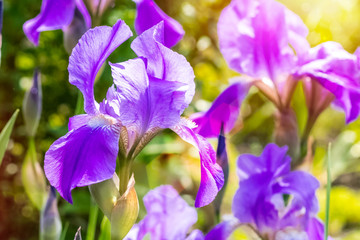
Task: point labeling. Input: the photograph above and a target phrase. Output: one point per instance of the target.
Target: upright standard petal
(338, 72)
(84, 156)
(273, 159)
(168, 215)
(256, 37)
(89, 55)
(163, 63)
(212, 176)
(149, 103)
(225, 110)
(54, 15)
(149, 14)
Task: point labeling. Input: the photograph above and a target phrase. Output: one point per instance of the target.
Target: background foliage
(168, 160)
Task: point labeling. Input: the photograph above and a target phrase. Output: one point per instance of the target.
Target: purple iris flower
(260, 38)
(54, 14)
(149, 14)
(168, 216)
(276, 202)
(149, 94)
(266, 41)
(224, 111)
(337, 74)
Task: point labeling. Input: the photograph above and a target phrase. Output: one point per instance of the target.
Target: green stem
(94, 210)
(328, 189)
(124, 177)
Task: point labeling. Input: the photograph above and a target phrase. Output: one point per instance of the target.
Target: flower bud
(33, 177)
(74, 31)
(106, 194)
(125, 212)
(32, 105)
(50, 223)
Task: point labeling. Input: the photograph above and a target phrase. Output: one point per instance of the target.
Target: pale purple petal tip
(89, 55)
(225, 110)
(149, 14)
(54, 15)
(84, 156)
(212, 176)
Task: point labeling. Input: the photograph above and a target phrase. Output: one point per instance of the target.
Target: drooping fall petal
(84, 156)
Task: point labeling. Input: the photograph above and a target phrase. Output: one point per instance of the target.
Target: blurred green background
(167, 159)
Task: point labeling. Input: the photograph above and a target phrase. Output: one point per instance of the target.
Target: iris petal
(224, 110)
(54, 15)
(88, 56)
(212, 176)
(163, 63)
(255, 37)
(149, 14)
(84, 156)
(338, 72)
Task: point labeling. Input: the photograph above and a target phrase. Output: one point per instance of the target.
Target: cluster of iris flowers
(261, 40)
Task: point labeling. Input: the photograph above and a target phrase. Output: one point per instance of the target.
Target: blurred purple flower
(266, 41)
(224, 110)
(260, 38)
(338, 72)
(275, 201)
(54, 14)
(149, 14)
(149, 94)
(168, 216)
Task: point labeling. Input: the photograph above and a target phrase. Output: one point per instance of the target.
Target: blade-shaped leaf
(5, 134)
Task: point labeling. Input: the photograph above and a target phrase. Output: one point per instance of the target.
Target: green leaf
(5, 134)
(328, 189)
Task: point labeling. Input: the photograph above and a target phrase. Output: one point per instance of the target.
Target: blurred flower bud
(33, 177)
(74, 31)
(106, 194)
(222, 160)
(32, 105)
(50, 223)
(286, 131)
(78, 234)
(125, 212)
